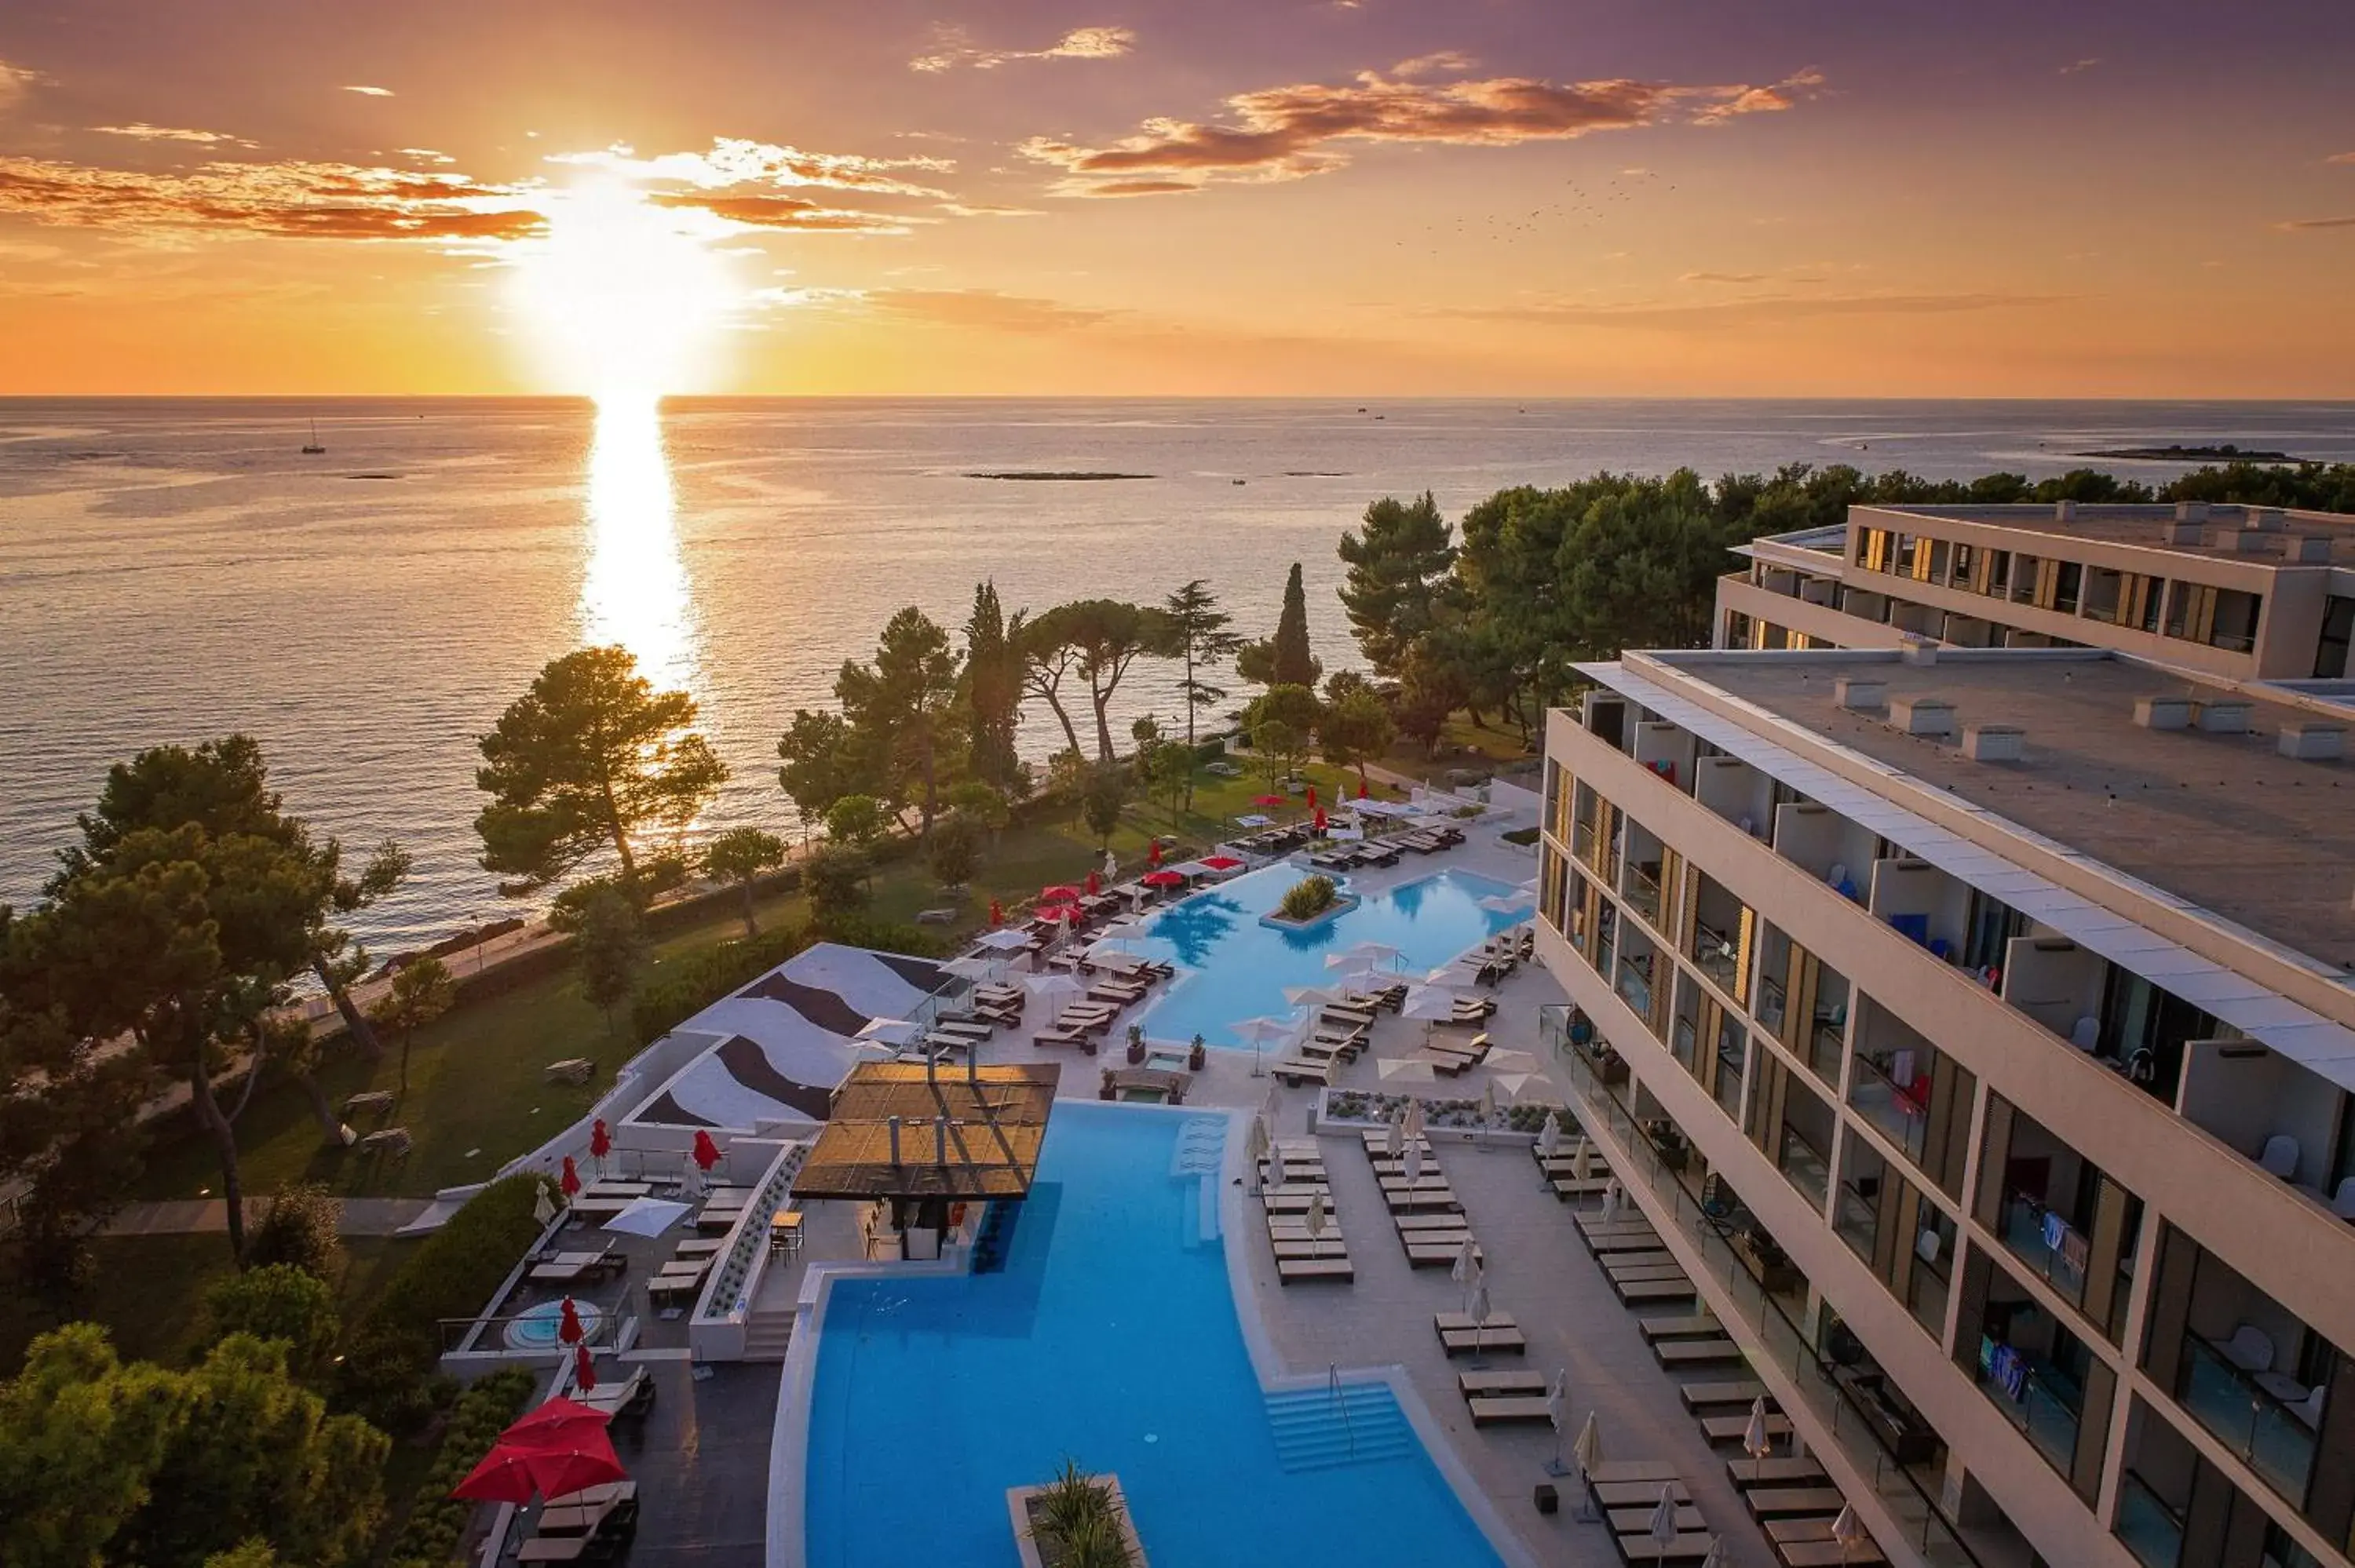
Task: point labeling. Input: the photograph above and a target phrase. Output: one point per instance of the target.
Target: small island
(2179, 452)
(1057, 474)
(1311, 901)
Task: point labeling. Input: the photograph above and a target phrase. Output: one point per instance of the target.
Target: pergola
(909, 1132)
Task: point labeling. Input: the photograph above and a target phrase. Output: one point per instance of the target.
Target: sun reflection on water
(635, 591)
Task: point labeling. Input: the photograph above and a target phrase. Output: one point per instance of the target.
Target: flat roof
(2223, 821)
(2147, 526)
(962, 1132)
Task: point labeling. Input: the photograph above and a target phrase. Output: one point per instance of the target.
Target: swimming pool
(1234, 968)
(1110, 1337)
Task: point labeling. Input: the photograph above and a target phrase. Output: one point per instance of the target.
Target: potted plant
(1105, 1091)
(1136, 1045)
(1197, 1055)
(1079, 1520)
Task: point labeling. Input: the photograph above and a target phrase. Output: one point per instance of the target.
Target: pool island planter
(1026, 1545)
(1342, 904)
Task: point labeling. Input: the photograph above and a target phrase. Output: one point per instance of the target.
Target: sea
(175, 569)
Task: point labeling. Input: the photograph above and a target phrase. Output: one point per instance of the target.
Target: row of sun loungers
(1082, 1023)
(1299, 1256)
(1274, 840)
(592, 1526)
(1430, 1221)
(1451, 1058)
(1350, 856)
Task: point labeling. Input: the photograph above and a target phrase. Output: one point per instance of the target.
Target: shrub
(1522, 836)
(453, 1271)
(437, 1521)
(836, 876)
(1308, 898)
(861, 930)
(1076, 1522)
(277, 1301)
(300, 1230)
(683, 987)
(1211, 750)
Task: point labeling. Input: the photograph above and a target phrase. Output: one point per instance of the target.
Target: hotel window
(2235, 626)
(1965, 558)
(2060, 1216)
(2338, 633)
(1737, 630)
(2068, 583)
(1998, 575)
(2027, 573)
(1932, 569)
(1725, 1072)
(1901, 556)
(1916, 1096)
(1907, 1240)
(1793, 1124)
(2149, 593)
(1872, 549)
(2046, 1381)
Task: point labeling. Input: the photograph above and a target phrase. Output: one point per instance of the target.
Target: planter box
(1017, 1509)
(1342, 904)
(1322, 1119)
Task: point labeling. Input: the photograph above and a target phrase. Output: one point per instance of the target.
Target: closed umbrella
(1153, 852)
(1277, 1175)
(571, 1180)
(1550, 1137)
(707, 1153)
(1581, 1162)
(1488, 1101)
(1849, 1531)
(1479, 1316)
(1315, 1221)
(1318, 822)
(1610, 1201)
(1095, 884)
(1588, 1454)
(1664, 1517)
(601, 1144)
(690, 1184)
(1361, 788)
(543, 1211)
(568, 1328)
(1394, 1135)
(1415, 1118)
(1414, 1161)
(1557, 1413)
(1465, 1270)
(1716, 1558)
(996, 914)
(584, 1369)
(1756, 1440)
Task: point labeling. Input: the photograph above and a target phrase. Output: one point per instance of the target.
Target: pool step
(1318, 1429)
(995, 1237)
(1201, 1147)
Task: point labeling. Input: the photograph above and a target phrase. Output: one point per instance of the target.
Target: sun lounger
(1508, 1410)
(1639, 1494)
(1699, 1326)
(1781, 1533)
(1499, 1385)
(1699, 1396)
(1294, 1071)
(1645, 1273)
(1293, 1271)
(1424, 1200)
(632, 1396)
(1777, 1472)
(1441, 1222)
(1591, 1227)
(1052, 1037)
(1781, 1502)
(571, 1267)
(1349, 1017)
(1636, 1238)
(1635, 1292)
(1490, 1341)
(1292, 1202)
(1637, 1519)
(1633, 1259)
(1694, 1352)
(1299, 1247)
(1829, 1554)
(564, 1548)
(1656, 1473)
(1439, 1253)
(1730, 1428)
(1429, 1181)
(1691, 1547)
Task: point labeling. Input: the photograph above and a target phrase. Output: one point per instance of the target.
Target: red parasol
(571, 1180)
(1319, 822)
(601, 1142)
(584, 1369)
(1153, 853)
(560, 1448)
(1061, 893)
(1096, 885)
(1267, 800)
(1312, 794)
(996, 914)
(1162, 879)
(1059, 912)
(1223, 863)
(707, 1153)
(1361, 788)
(569, 1330)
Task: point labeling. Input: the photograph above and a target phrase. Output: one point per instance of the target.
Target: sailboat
(313, 449)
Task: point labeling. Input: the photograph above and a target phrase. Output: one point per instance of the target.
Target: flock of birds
(1584, 207)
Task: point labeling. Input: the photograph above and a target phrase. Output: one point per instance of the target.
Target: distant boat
(313, 449)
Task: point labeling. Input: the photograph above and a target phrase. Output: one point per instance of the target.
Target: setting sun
(622, 296)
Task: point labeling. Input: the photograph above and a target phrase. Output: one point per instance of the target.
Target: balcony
(2037, 1397)
(1644, 894)
(2151, 1529)
(2240, 1411)
(1909, 1499)
(2054, 1250)
(1714, 954)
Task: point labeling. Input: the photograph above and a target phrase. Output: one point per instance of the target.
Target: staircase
(1324, 1427)
(767, 1336)
(995, 1237)
(1201, 1154)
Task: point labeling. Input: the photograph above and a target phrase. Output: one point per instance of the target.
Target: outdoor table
(785, 1231)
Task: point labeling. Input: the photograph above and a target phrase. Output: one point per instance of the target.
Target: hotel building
(1975, 1024)
(2235, 591)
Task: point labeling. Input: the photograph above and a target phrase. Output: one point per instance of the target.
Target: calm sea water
(171, 570)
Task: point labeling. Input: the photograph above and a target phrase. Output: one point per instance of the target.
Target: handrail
(1333, 1384)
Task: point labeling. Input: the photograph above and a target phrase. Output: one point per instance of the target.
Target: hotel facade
(1974, 1024)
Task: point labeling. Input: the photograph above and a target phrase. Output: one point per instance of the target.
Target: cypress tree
(1293, 665)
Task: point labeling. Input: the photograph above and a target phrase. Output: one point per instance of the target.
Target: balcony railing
(2151, 1530)
(1713, 953)
(1644, 896)
(2053, 1253)
(1907, 1499)
(2047, 1407)
(2263, 1429)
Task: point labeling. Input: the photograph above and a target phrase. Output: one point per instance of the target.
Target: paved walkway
(197, 1216)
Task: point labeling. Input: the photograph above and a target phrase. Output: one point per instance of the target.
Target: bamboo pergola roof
(963, 1133)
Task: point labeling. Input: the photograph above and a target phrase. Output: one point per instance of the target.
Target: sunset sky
(1509, 197)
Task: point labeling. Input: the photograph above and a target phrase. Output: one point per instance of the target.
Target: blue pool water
(1234, 968)
(1110, 1337)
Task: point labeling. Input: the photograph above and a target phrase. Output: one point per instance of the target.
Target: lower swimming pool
(1234, 968)
(1111, 1339)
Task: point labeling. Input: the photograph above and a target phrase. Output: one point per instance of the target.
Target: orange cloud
(1290, 133)
(13, 80)
(293, 200)
(755, 210)
(952, 48)
(738, 161)
(2297, 223)
(140, 131)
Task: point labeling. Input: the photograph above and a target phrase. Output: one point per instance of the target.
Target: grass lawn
(148, 1290)
(476, 1095)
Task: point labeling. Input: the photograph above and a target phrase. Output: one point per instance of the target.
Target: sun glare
(634, 591)
(624, 297)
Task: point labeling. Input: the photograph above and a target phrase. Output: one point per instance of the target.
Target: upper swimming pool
(1111, 1339)
(1233, 968)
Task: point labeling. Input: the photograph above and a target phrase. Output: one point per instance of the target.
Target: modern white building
(1975, 1024)
(2236, 591)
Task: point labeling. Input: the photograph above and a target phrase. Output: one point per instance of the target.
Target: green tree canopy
(586, 760)
(836, 876)
(1106, 793)
(1098, 639)
(610, 945)
(1295, 706)
(282, 1303)
(1198, 632)
(823, 764)
(1357, 729)
(1281, 748)
(955, 848)
(1397, 582)
(740, 855)
(1283, 660)
(859, 821)
(903, 711)
(421, 991)
(993, 690)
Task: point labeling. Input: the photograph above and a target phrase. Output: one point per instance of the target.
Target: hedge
(429, 1538)
(688, 984)
(392, 1352)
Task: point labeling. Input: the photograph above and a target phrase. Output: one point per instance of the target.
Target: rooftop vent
(2163, 713)
(2245, 541)
(2220, 716)
(2183, 531)
(2311, 548)
(1994, 742)
(2064, 512)
(1859, 694)
(1922, 716)
(2265, 519)
(2191, 511)
(2308, 741)
(1918, 649)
